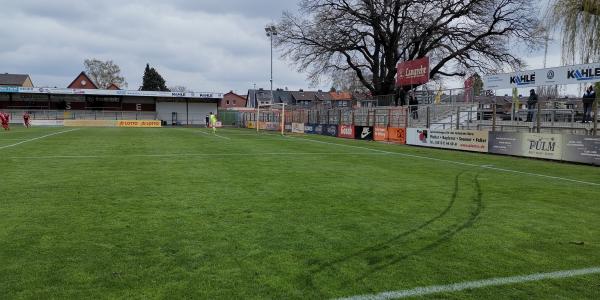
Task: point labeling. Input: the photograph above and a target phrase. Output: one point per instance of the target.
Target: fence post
(494, 117)
(428, 117)
(406, 109)
(538, 118)
(595, 117)
(458, 118)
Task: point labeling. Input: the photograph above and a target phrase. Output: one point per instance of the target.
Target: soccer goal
(271, 117)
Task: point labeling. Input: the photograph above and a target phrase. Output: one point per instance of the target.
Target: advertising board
(397, 135)
(346, 131)
(363, 133)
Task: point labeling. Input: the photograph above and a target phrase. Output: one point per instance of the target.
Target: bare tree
(104, 73)
(369, 37)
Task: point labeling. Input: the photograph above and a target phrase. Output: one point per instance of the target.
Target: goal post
(271, 110)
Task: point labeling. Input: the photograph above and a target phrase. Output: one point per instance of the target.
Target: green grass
(105, 213)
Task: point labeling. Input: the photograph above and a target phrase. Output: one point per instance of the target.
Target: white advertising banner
(576, 74)
(466, 140)
(298, 127)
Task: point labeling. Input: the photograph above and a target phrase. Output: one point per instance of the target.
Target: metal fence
(550, 116)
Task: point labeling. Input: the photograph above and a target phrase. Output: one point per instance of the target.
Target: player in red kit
(4, 118)
(26, 118)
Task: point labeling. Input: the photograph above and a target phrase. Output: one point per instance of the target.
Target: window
(227, 102)
(233, 102)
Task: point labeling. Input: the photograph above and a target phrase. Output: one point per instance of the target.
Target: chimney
(301, 90)
(261, 89)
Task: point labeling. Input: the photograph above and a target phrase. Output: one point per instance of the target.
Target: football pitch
(102, 213)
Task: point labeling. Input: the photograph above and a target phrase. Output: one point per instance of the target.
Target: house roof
(13, 79)
(113, 86)
(235, 95)
(81, 76)
(323, 96)
(304, 96)
(258, 95)
(340, 96)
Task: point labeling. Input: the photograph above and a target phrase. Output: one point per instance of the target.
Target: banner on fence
(309, 128)
(575, 74)
(537, 145)
(417, 137)
(542, 145)
(465, 140)
(363, 133)
(139, 123)
(582, 149)
(47, 123)
(346, 131)
(397, 135)
(270, 126)
(288, 127)
(381, 134)
(506, 143)
(90, 123)
(330, 130)
(251, 125)
(318, 129)
(297, 127)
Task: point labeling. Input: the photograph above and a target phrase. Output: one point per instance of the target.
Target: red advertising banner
(397, 135)
(381, 134)
(346, 131)
(413, 72)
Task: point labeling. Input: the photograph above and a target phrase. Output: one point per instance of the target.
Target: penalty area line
(37, 138)
(451, 162)
(478, 284)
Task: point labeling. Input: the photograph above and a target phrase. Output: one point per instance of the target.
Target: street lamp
(271, 31)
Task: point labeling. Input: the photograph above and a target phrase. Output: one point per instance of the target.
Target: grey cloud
(205, 45)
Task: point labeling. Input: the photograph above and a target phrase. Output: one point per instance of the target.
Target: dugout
(175, 108)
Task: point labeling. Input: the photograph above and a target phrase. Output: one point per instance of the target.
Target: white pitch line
(454, 162)
(37, 138)
(469, 285)
(193, 154)
(213, 134)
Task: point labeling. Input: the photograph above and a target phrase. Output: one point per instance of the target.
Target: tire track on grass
(308, 279)
(444, 237)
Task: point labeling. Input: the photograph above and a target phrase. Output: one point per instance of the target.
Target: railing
(547, 117)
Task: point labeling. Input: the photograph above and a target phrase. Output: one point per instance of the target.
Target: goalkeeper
(213, 122)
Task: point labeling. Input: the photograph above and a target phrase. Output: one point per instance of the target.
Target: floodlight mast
(271, 32)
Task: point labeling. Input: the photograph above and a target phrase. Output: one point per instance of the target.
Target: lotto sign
(381, 134)
(346, 131)
(139, 123)
(251, 125)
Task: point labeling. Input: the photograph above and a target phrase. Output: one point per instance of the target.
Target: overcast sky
(205, 45)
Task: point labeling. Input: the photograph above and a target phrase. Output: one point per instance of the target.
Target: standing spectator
(531, 105)
(413, 106)
(588, 100)
(207, 122)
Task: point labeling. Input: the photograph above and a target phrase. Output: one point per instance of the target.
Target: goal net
(270, 117)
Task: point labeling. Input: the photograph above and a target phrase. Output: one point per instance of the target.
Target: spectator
(588, 100)
(413, 106)
(531, 105)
